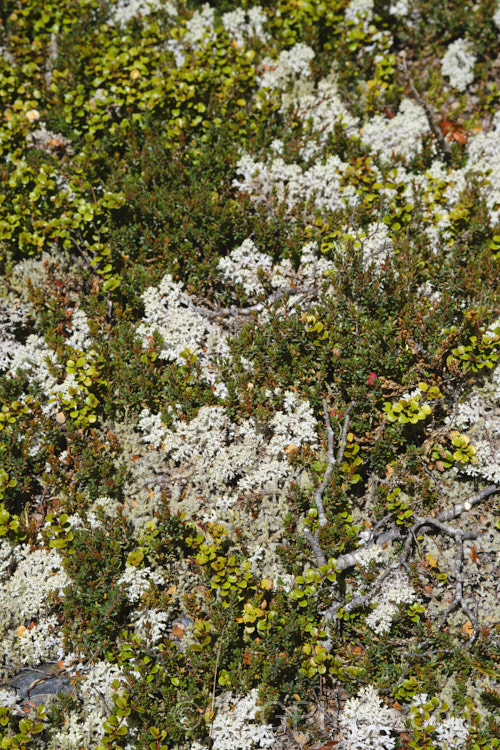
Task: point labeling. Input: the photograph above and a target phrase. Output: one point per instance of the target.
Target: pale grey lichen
(397, 590)
(236, 725)
(170, 312)
(366, 723)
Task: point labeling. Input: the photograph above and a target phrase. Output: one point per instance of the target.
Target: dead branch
(233, 311)
(332, 461)
(439, 523)
(315, 546)
(443, 144)
(318, 495)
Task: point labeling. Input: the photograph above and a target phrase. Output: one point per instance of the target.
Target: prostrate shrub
(249, 379)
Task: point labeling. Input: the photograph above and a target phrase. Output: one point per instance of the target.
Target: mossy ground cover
(249, 380)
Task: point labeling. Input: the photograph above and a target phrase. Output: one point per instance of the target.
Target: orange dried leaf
(459, 137)
(468, 628)
(446, 126)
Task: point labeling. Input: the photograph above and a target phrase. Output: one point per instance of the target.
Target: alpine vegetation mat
(249, 375)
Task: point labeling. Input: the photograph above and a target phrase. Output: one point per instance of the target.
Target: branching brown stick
(443, 144)
(315, 546)
(395, 533)
(311, 537)
(332, 461)
(221, 312)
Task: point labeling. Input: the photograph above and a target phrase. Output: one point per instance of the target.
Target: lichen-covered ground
(249, 375)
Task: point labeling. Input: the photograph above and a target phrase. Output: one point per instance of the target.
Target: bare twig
(457, 510)
(458, 600)
(443, 144)
(315, 546)
(332, 461)
(318, 495)
(233, 311)
(214, 686)
(345, 431)
(397, 532)
(352, 559)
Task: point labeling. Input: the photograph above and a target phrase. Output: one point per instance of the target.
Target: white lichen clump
(236, 725)
(319, 105)
(246, 265)
(366, 723)
(291, 65)
(95, 687)
(30, 634)
(360, 12)
(458, 64)
(400, 135)
(397, 590)
(78, 324)
(477, 415)
(483, 151)
(136, 581)
(290, 184)
(451, 733)
(496, 16)
(374, 242)
(243, 266)
(13, 315)
(150, 624)
(169, 312)
(400, 8)
(226, 462)
(376, 554)
(124, 11)
(242, 25)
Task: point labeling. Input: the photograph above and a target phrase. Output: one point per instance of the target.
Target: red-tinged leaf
(459, 137)
(474, 555)
(447, 126)
(247, 659)
(429, 589)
